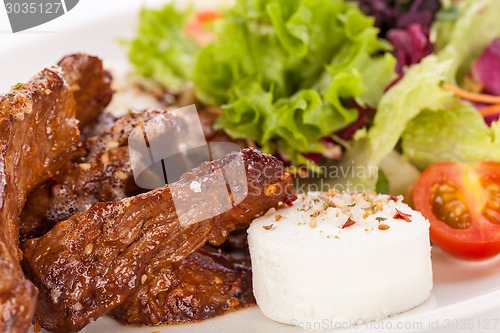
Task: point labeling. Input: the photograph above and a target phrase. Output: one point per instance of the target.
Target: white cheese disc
(340, 258)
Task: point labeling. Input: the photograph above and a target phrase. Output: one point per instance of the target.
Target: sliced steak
(90, 84)
(206, 284)
(107, 177)
(103, 174)
(38, 134)
(92, 262)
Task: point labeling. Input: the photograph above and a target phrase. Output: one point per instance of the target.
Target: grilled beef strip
(90, 84)
(89, 264)
(79, 185)
(205, 284)
(91, 88)
(38, 135)
(103, 174)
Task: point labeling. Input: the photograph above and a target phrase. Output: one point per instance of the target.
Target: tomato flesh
(492, 208)
(449, 206)
(462, 203)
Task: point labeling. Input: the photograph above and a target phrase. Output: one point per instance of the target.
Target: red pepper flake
(278, 217)
(291, 199)
(402, 216)
(393, 198)
(267, 227)
(348, 223)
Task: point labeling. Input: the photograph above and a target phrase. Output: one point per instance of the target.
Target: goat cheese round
(340, 258)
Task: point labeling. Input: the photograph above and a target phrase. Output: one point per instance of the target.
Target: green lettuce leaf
(456, 134)
(161, 49)
(495, 128)
(283, 70)
(382, 185)
(245, 117)
(418, 90)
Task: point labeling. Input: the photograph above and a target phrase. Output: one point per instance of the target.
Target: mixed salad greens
(296, 77)
(280, 70)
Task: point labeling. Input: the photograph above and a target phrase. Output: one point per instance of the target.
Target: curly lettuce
(305, 58)
(282, 70)
(162, 50)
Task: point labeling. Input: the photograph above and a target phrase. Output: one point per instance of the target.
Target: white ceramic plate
(466, 296)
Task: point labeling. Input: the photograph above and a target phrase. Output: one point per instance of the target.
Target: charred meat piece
(91, 263)
(90, 84)
(32, 220)
(103, 174)
(38, 135)
(107, 177)
(119, 133)
(205, 284)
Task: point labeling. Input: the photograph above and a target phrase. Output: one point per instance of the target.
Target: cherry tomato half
(462, 203)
